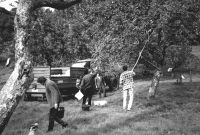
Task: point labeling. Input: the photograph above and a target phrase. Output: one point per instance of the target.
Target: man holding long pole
(127, 84)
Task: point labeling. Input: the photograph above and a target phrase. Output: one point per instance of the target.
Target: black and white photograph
(99, 67)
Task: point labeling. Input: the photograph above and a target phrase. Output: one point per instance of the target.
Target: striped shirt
(126, 79)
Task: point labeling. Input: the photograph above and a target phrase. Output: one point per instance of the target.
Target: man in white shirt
(127, 84)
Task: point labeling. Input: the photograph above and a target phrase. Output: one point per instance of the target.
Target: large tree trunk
(18, 82)
(21, 77)
(154, 85)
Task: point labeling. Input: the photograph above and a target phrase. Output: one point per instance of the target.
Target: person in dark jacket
(88, 87)
(78, 81)
(54, 98)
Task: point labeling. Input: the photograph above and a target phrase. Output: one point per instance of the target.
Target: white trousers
(125, 95)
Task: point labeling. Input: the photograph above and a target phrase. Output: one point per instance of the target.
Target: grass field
(175, 111)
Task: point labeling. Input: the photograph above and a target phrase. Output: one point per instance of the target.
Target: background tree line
(112, 33)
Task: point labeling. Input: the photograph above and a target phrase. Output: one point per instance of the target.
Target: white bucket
(100, 103)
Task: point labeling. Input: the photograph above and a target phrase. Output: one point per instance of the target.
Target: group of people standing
(91, 81)
(87, 83)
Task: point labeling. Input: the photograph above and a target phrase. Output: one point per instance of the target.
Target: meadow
(174, 111)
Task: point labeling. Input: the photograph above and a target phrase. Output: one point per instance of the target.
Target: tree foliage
(6, 32)
(118, 30)
(58, 42)
(113, 33)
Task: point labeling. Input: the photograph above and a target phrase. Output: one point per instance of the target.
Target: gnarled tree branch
(57, 4)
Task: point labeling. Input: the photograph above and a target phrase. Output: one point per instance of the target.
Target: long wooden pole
(140, 53)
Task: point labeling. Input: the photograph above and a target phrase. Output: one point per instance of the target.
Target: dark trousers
(87, 95)
(53, 117)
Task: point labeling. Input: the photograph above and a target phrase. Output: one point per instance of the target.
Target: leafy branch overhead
(115, 31)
